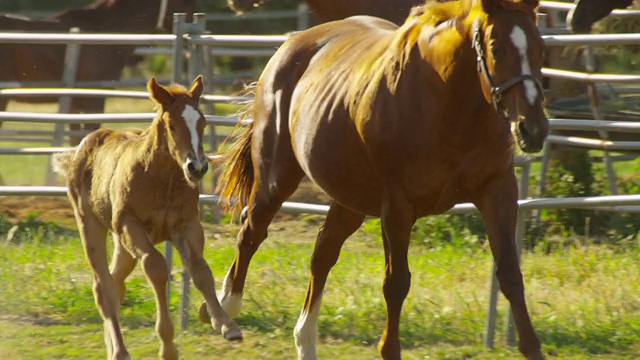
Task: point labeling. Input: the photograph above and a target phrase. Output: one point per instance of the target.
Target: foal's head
(182, 124)
(510, 53)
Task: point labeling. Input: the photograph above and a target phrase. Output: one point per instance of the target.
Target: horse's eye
(495, 52)
(171, 128)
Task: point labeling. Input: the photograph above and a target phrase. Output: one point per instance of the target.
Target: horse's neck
(114, 15)
(154, 153)
(449, 53)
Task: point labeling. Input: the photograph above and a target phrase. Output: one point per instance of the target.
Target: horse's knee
(201, 273)
(511, 282)
(396, 286)
(155, 268)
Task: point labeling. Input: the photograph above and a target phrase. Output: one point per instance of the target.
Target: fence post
(178, 65)
(594, 100)
(71, 59)
(303, 16)
(194, 66)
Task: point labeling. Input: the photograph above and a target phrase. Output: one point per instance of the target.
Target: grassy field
(584, 301)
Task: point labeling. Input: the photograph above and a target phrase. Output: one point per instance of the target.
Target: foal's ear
(196, 88)
(159, 94)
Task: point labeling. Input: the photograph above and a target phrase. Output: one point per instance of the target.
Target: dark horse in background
(371, 112)
(45, 62)
(586, 12)
(328, 10)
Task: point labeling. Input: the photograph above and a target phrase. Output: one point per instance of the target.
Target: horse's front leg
(397, 219)
(157, 272)
(190, 245)
(498, 206)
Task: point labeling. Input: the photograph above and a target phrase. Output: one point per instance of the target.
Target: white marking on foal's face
(519, 39)
(191, 117)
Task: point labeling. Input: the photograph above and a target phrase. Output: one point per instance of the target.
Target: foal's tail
(236, 180)
(62, 161)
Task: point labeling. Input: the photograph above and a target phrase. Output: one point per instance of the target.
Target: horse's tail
(236, 180)
(62, 161)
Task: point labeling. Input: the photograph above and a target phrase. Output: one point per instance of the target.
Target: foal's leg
(266, 198)
(338, 226)
(191, 245)
(94, 238)
(122, 264)
(157, 273)
(397, 218)
(499, 209)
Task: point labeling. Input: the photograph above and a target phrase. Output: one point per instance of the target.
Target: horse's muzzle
(532, 135)
(196, 168)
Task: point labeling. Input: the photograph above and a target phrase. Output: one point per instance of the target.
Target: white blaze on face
(519, 39)
(191, 117)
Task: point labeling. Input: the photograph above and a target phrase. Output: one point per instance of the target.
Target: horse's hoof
(232, 332)
(204, 314)
(169, 352)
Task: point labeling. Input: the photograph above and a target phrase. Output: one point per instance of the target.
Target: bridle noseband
(496, 91)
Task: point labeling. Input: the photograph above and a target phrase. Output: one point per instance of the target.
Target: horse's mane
(389, 67)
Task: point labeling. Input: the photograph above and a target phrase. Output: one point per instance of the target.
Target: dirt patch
(51, 208)
(58, 208)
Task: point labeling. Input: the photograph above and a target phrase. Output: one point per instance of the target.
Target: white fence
(199, 44)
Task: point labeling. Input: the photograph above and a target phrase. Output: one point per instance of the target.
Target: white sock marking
(519, 39)
(191, 117)
(306, 332)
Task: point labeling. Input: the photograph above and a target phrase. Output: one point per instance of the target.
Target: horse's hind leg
(190, 245)
(338, 226)
(94, 237)
(122, 264)
(499, 209)
(270, 190)
(157, 273)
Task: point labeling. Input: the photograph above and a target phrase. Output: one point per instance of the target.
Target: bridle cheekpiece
(496, 90)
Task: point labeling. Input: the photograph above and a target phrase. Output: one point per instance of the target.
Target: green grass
(584, 302)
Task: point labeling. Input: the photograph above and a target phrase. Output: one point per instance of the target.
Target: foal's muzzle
(196, 168)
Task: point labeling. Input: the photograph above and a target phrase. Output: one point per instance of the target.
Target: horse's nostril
(205, 167)
(190, 167)
(523, 130)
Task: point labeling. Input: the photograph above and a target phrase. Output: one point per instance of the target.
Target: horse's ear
(196, 88)
(159, 94)
(490, 5)
(533, 4)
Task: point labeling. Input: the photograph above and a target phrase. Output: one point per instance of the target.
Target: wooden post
(71, 59)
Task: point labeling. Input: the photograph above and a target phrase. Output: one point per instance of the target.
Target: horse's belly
(331, 154)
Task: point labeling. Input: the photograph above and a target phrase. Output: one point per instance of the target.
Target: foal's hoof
(204, 314)
(232, 332)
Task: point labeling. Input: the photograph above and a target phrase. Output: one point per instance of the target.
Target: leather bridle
(496, 90)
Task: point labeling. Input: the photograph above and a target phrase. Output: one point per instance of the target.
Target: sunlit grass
(584, 301)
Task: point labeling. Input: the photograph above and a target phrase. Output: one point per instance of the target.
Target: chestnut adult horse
(396, 122)
(45, 62)
(586, 12)
(142, 186)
